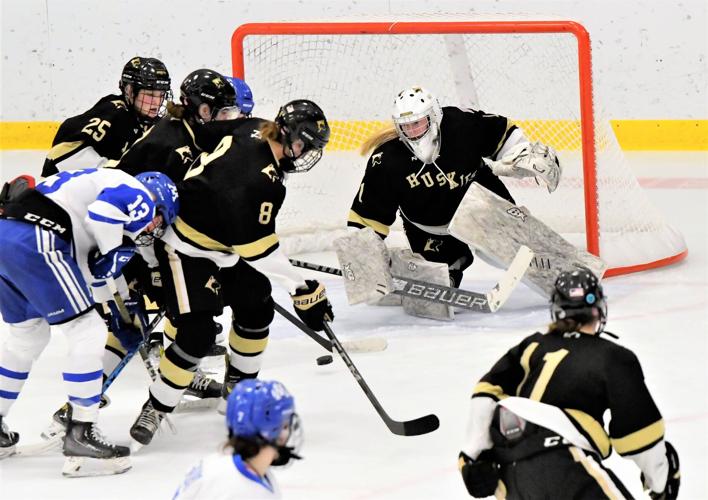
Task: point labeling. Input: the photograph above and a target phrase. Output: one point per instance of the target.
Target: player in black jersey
(172, 145)
(224, 248)
(105, 131)
(536, 420)
(423, 166)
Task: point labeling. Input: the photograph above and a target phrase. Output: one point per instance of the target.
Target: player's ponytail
(380, 137)
(176, 110)
(245, 448)
(566, 325)
(270, 131)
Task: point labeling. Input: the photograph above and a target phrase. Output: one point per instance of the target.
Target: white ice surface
(428, 367)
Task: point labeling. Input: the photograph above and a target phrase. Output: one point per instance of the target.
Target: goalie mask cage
(537, 73)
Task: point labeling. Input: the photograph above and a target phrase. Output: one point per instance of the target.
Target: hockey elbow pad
(480, 476)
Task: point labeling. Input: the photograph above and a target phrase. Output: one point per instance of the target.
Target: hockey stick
(480, 302)
(366, 344)
(326, 345)
(415, 427)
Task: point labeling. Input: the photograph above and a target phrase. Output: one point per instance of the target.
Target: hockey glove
(480, 476)
(673, 481)
(129, 334)
(312, 306)
(109, 265)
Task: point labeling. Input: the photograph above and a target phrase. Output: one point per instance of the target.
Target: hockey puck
(325, 360)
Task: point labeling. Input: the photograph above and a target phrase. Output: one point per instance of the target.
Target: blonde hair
(270, 131)
(377, 139)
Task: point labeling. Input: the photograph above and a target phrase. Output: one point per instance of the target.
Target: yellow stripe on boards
(348, 135)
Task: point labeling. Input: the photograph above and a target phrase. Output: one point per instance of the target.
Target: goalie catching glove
(529, 159)
(312, 306)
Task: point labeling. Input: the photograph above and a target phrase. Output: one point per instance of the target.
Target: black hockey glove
(674, 479)
(480, 476)
(311, 304)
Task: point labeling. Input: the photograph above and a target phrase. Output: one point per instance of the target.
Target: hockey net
(538, 73)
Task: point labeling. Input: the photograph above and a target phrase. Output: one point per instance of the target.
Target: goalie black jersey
(583, 375)
(230, 197)
(429, 195)
(109, 127)
(172, 146)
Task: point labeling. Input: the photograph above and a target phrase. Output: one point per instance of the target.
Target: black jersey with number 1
(584, 376)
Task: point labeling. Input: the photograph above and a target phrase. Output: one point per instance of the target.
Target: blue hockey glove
(109, 265)
(129, 334)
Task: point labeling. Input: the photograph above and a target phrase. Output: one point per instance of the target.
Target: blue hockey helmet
(259, 409)
(165, 192)
(578, 295)
(244, 96)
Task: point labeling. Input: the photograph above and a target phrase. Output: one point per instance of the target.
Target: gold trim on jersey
(505, 136)
(380, 228)
(179, 280)
(258, 247)
(243, 345)
(597, 473)
(591, 429)
(495, 391)
(169, 330)
(640, 439)
(524, 362)
(178, 376)
(201, 240)
(191, 133)
(63, 148)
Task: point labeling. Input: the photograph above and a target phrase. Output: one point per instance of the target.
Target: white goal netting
(532, 78)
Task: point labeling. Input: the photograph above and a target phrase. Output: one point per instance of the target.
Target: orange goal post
(536, 72)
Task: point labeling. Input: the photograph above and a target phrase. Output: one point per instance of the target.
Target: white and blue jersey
(225, 477)
(42, 275)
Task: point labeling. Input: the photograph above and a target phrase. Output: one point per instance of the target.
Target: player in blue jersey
(61, 246)
(264, 430)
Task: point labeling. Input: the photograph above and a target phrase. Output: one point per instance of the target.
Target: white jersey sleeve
(225, 477)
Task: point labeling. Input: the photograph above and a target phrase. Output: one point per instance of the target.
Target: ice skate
(147, 423)
(8, 440)
(89, 454)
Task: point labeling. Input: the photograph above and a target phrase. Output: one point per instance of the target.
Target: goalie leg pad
(406, 264)
(364, 260)
(497, 228)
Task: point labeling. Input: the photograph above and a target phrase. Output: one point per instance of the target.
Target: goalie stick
(480, 302)
(415, 427)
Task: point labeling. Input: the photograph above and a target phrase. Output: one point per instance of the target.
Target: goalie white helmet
(417, 116)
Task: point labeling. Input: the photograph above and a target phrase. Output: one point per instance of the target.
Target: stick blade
(416, 427)
(513, 275)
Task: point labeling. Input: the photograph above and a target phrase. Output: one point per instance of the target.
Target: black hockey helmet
(304, 120)
(145, 73)
(205, 86)
(578, 296)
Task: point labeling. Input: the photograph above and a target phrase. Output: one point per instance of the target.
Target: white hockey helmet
(417, 115)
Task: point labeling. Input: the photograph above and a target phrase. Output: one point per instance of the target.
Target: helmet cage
(412, 105)
(146, 73)
(303, 120)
